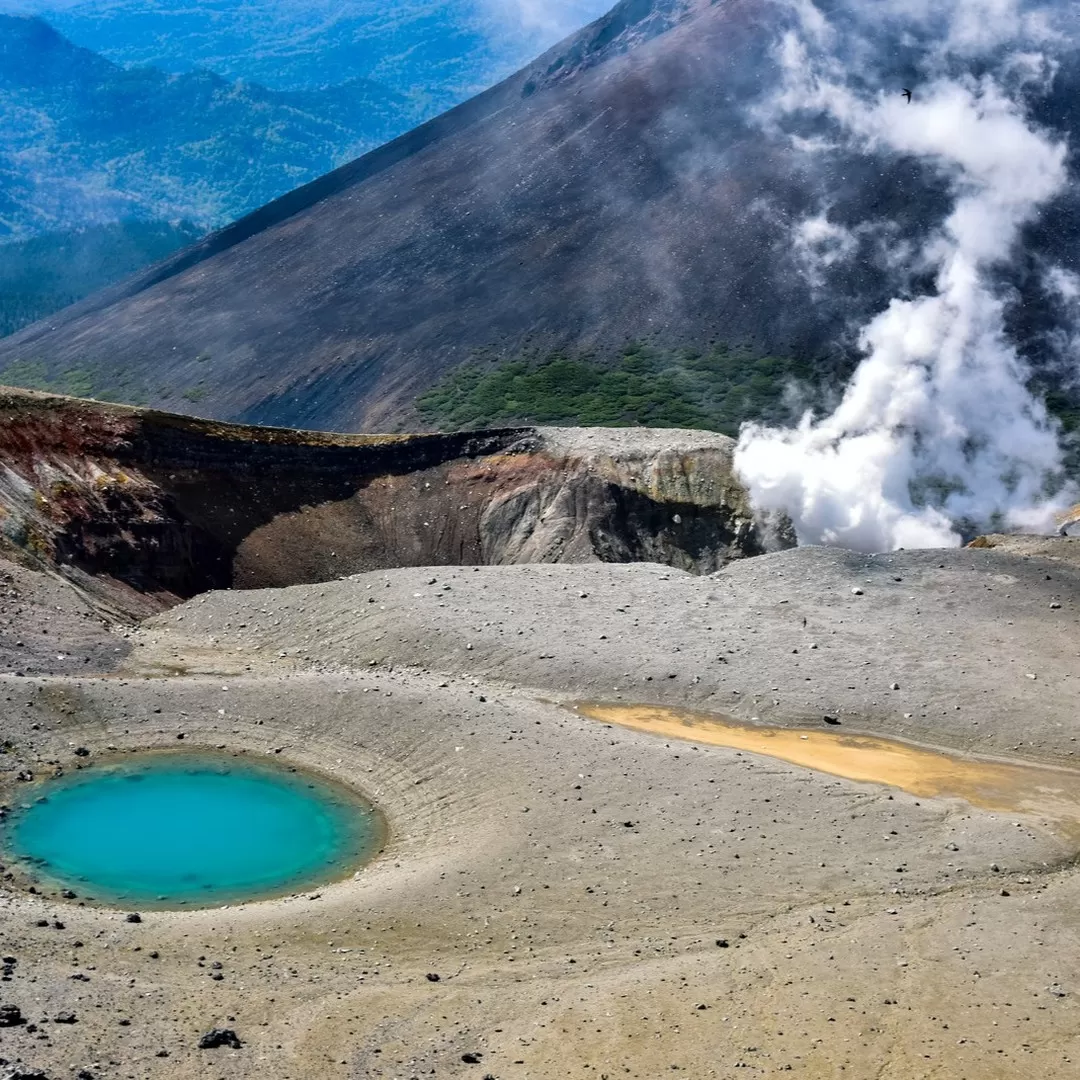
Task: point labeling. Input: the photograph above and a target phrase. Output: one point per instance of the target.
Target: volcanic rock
(216, 1037)
(11, 1016)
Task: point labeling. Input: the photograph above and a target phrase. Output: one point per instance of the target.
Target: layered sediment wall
(139, 503)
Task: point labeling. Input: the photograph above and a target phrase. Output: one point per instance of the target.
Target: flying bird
(907, 93)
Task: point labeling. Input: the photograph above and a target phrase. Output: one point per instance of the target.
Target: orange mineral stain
(1052, 794)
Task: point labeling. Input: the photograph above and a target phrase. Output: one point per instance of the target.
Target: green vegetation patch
(123, 389)
(645, 386)
(648, 386)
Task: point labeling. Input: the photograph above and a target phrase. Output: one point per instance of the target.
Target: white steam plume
(936, 425)
(818, 243)
(548, 20)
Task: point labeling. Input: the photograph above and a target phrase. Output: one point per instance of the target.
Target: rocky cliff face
(143, 507)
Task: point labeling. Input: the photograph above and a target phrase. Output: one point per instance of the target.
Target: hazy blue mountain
(438, 51)
(85, 141)
(159, 110)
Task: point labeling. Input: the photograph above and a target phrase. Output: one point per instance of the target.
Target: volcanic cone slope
(622, 187)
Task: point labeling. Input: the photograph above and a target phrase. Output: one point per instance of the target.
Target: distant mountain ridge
(436, 51)
(83, 141)
(617, 189)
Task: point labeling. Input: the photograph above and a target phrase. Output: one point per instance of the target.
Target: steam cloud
(936, 426)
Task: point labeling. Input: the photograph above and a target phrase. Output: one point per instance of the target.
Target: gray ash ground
(594, 901)
(46, 627)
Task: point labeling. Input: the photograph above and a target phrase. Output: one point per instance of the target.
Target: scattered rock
(133, 917)
(831, 719)
(11, 1016)
(472, 1058)
(432, 977)
(65, 1018)
(216, 1037)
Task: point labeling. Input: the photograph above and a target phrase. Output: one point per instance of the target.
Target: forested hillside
(45, 273)
(84, 141)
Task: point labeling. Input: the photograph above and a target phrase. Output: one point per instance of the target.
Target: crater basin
(175, 830)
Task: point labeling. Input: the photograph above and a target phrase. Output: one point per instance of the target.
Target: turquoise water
(171, 830)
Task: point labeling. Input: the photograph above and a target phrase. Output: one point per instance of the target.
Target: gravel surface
(631, 442)
(47, 627)
(984, 646)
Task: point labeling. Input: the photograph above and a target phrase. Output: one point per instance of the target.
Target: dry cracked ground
(596, 900)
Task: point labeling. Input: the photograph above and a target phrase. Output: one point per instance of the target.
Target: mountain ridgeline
(84, 141)
(621, 191)
(437, 51)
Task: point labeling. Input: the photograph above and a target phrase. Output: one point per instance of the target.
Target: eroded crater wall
(138, 504)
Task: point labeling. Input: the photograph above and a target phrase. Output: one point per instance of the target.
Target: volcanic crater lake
(172, 830)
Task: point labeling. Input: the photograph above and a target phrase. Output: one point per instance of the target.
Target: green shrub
(644, 386)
